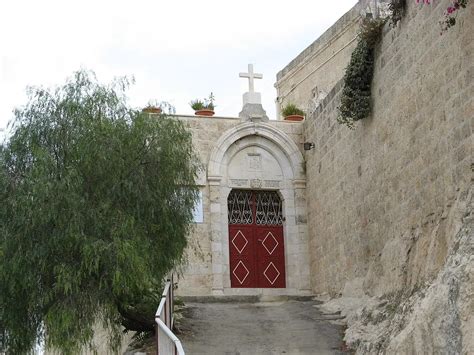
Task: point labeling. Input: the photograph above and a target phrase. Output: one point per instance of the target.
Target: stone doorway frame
(291, 190)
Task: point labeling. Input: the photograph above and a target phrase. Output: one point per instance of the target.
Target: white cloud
(177, 50)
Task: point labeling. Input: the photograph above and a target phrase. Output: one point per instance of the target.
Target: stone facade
(223, 145)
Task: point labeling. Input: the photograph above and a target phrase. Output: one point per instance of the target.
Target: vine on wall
(451, 13)
(356, 93)
(397, 11)
(356, 100)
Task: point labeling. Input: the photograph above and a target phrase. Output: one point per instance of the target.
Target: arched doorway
(256, 243)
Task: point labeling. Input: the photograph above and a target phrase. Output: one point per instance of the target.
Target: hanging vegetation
(397, 11)
(451, 13)
(355, 101)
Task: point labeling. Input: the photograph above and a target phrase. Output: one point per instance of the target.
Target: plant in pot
(203, 107)
(153, 106)
(292, 113)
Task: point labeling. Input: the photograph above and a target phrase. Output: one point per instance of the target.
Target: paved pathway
(290, 327)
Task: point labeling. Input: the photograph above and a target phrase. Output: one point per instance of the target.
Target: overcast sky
(176, 50)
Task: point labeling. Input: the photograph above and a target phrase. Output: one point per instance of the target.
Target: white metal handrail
(166, 342)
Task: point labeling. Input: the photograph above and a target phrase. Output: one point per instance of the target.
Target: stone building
(252, 239)
(381, 212)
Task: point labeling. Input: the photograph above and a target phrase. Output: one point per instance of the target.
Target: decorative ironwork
(239, 205)
(268, 209)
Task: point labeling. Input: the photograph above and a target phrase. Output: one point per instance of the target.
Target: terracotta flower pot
(152, 110)
(204, 112)
(294, 118)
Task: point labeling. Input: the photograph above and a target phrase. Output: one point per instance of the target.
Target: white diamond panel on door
(271, 273)
(239, 242)
(270, 243)
(241, 272)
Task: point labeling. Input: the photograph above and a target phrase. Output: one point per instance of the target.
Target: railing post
(172, 303)
(157, 341)
(164, 321)
(166, 311)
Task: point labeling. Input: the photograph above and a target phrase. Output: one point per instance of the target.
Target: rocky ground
(434, 318)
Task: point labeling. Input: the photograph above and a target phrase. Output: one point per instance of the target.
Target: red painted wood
(257, 255)
(243, 271)
(271, 257)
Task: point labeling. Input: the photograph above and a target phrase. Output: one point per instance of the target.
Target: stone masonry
(206, 272)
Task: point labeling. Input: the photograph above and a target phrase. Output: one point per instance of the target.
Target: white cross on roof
(251, 76)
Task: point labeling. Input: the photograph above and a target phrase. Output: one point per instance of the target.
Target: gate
(256, 244)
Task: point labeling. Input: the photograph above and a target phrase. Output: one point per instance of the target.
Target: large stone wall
(390, 202)
(380, 196)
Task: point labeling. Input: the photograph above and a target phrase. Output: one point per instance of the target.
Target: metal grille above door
(239, 204)
(268, 208)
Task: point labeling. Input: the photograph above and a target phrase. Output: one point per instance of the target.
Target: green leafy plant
(397, 10)
(97, 203)
(206, 104)
(291, 109)
(161, 106)
(356, 93)
(197, 105)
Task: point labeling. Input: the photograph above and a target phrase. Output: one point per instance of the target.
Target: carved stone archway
(286, 160)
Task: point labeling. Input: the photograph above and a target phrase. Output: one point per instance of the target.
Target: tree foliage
(96, 204)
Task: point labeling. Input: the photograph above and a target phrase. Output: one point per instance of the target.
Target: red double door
(256, 244)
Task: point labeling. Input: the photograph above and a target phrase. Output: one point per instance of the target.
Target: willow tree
(96, 205)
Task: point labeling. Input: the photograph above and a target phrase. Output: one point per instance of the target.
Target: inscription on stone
(254, 161)
(272, 183)
(256, 183)
(239, 182)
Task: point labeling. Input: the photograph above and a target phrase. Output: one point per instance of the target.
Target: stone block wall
(383, 198)
(197, 273)
(316, 70)
(197, 280)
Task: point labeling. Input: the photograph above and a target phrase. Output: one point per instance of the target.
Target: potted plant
(152, 107)
(203, 107)
(292, 113)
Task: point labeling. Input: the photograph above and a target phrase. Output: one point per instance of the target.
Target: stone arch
(287, 146)
(290, 187)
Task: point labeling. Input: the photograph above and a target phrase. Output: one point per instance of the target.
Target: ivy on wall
(397, 11)
(356, 93)
(356, 99)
